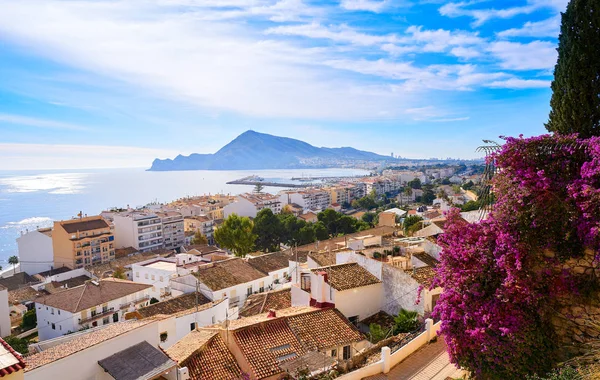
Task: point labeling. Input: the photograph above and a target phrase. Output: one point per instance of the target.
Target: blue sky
(115, 83)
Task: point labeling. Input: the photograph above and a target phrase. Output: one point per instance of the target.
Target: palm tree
(14, 260)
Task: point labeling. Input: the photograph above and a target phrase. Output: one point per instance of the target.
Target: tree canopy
(575, 102)
(236, 234)
(268, 230)
(199, 239)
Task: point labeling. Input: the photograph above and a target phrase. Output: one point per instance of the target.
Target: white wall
(4, 314)
(432, 249)
(241, 207)
(362, 302)
(160, 279)
(373, 266)
(83, 365)
(35, 252)
(216, 314)
(399, 291)
(62, 277)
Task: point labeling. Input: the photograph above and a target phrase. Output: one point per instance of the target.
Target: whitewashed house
(89, 305)
(158, 274)
(250, 204)
(233, 278)
(35, 251)
(276, 265)
(349, 287)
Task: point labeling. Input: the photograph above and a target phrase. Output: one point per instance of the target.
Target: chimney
(272, 314)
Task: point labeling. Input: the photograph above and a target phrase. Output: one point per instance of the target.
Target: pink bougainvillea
(500, 282)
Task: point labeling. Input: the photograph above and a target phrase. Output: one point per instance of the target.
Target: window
(249, 291)
(93, 312)
(354, 320)
(53, 326)
(60, 327)
(58, 311)
(152, 277)
(52, 311)
(192, 326)
(161, 278)
(137, 274)
(104, 308)
(116, 317)
(146, 276)
(334, 353)
(105, 320)
(213, 321)
(346, 352)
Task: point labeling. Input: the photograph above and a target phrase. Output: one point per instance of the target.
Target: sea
(34, 199)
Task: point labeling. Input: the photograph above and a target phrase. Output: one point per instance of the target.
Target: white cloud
(439, 40)
(39, 123)
(341, 33)
(465, 52)
(545, 28)
(62, 156)
(464, 8)
(364, 5)
(536, 55)
(518, 83)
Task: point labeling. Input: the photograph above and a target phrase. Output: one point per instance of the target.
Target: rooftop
(10, 360)
(205, 355)
(140, 361)
(227, 273)
(427, 259)
(423, 275)
(80, 341)
(323, 258)
(175, 305)
(90, 295)
(162, 265)
(53, 272)
(347, 276)
(263, 302)
(270, 262)
(106, 269)
(17, 280)
(83, 224)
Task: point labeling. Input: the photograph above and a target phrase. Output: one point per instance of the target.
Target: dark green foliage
(410, 221)
(470, 206)
(428, 196)
(406, 321)
(468, 186)
(365, 203)
(29, 320)
(339, 224)
(369, 218)
(566, 373)
(236, 234)
(376, 332)
(575, 99)
(18, 344)
(268, 230)
(415, 183)
(321, 231)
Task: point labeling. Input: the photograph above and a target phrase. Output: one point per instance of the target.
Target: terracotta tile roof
(25, 294)
(228, 273)
(332, 243)
(424, 257)
(202, 248)
(315, 361)
(323, 258)
(89, 295)
(323, 328)
(265, 345)
(206, 356)
(263, 302)
(270, 262)
(81, 341)
(347, 276)
(10, 360)
(174, 305)
(17, 280)
(423, 276)
(71, 282)
(124, 252)
(84, 224)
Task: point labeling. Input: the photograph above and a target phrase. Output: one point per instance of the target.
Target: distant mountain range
(255, 151)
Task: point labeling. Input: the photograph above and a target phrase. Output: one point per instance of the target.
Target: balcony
(97, 316)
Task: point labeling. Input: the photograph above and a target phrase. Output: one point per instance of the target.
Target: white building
(190, 311)
(172, 229)
(349, 287)
(276, 265)
(5, 329)
(89, 305)
(103, 353)
(141, 230)
(250, 204)
(308, 199)
(35, 251)
(233, 278)
(158, 274)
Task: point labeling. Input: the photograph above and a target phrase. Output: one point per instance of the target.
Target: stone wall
(577, 317)
(399, 291)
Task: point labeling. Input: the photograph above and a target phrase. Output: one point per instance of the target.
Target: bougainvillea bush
(503, 276)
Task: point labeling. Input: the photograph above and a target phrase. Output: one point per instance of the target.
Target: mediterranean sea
(29, 199)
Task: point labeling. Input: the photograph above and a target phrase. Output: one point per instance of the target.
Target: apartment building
(341, 194)
(35, 251)
(142, 230)
(250, 204)
(200, 223)
(308, 199)
(209, 205)
(82, 241)
(173, 229)
(95, 303)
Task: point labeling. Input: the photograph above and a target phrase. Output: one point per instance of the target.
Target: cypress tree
(576, 86)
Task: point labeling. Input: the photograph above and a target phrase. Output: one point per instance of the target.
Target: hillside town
(159, 292)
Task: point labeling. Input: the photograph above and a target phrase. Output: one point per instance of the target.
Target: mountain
(253, 150)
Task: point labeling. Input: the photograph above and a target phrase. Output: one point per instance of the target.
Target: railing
(94, 317)
(407, 338)
(139, 300)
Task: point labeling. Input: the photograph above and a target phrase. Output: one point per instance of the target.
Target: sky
(117, 83)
